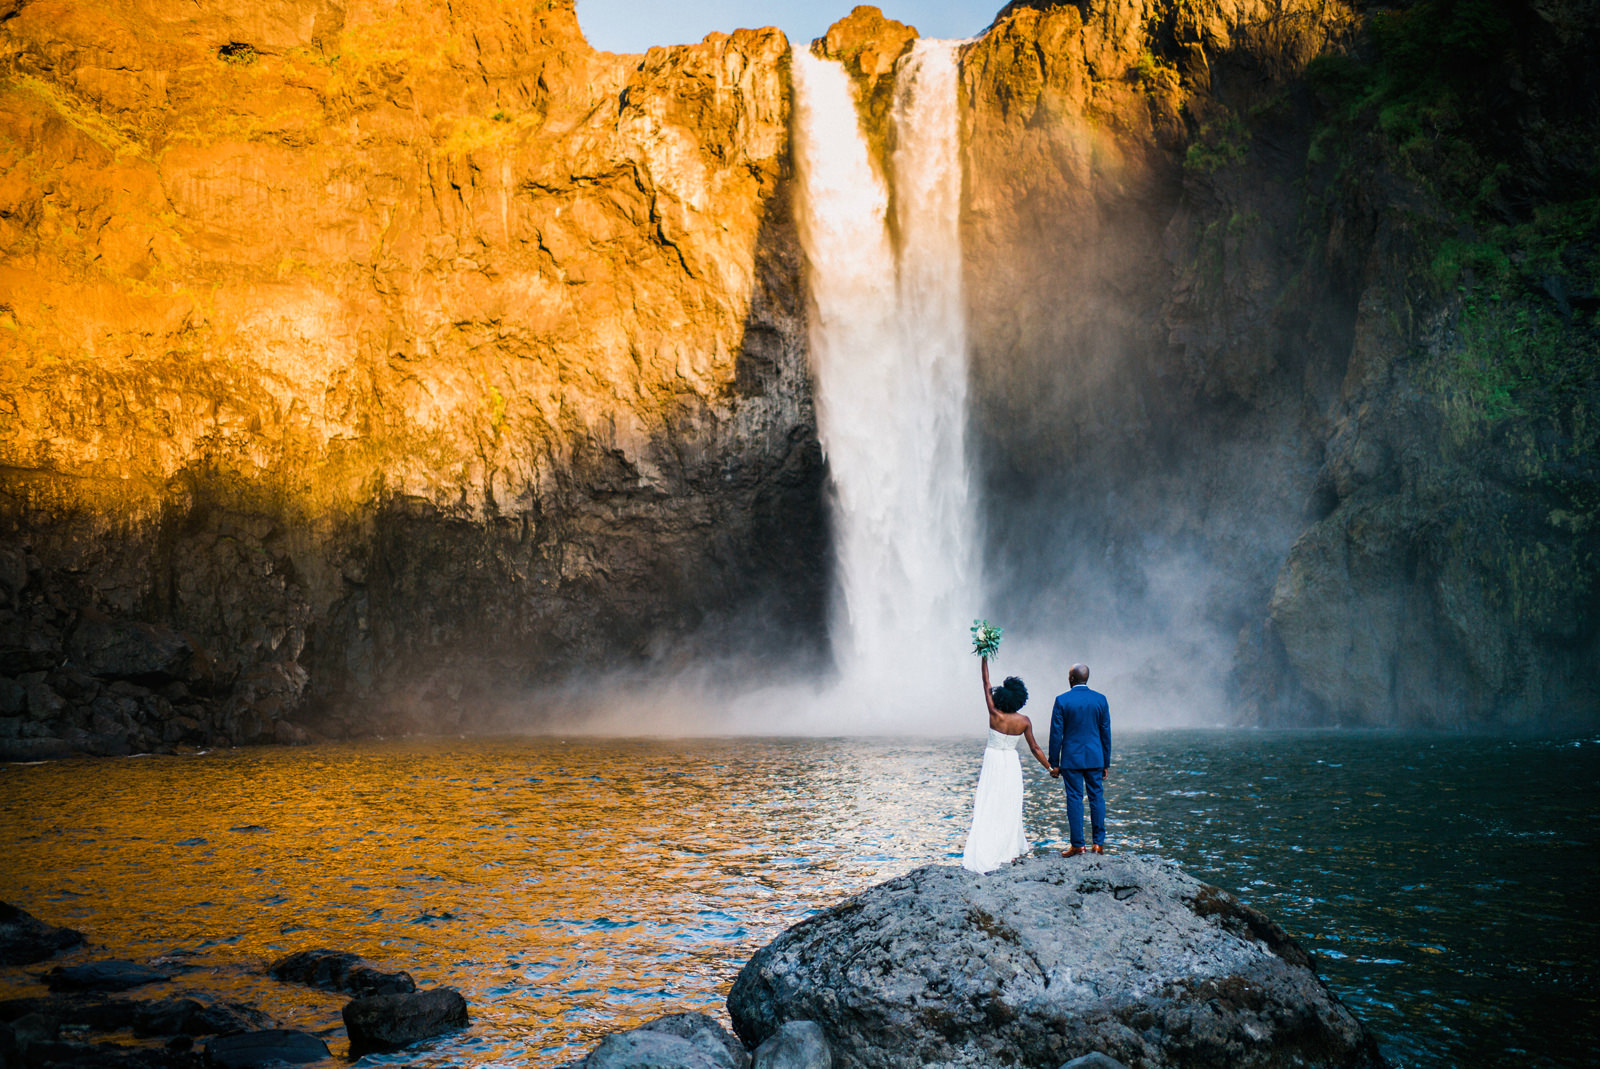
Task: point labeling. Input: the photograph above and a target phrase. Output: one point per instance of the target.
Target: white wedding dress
(996, 836)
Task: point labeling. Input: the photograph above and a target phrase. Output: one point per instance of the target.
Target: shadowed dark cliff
(1287, 407)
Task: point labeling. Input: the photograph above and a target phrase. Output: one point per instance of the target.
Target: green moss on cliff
(1511, 237)
(1456, 121)
(1220, 143)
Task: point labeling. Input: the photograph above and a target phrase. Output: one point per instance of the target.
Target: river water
(570, 887)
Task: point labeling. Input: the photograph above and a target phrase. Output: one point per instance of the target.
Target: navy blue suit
(1080, 746)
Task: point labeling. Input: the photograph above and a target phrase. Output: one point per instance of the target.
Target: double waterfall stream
(889, 360)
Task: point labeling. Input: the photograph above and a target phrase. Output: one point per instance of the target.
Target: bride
(996, 836)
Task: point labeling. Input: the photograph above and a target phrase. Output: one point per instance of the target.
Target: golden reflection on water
(569, 889)
(566, 889)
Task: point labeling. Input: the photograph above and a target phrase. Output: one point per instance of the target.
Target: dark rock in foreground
(1044, 961)
(165, 1017)
(276, 1046)
(103, 976)
(35, 1044)
(25, 939)
(390, 1022)
(338, 970)
(678, 1040)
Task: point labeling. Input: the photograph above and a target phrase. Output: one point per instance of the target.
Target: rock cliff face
(1151, 401)
(1275, 357)
(357, 353)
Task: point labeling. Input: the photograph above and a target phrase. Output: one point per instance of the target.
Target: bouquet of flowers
(985, 638)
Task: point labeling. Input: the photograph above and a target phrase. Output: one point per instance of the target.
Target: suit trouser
(1076, 780)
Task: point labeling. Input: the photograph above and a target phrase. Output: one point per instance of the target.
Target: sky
(635, 25)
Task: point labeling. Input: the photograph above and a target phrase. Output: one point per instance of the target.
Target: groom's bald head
(1078, 673)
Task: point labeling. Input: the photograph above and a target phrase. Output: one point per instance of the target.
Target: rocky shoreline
(1090, 962)
(82, 1024)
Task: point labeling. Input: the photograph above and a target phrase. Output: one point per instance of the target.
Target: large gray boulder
(1044, 961)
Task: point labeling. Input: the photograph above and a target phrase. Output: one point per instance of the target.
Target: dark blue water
(1447, 885)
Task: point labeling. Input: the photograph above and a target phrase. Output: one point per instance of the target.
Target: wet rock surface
(163, 1017)
(273, 1046)
(33, 1043)
(795, 1045)
(390, 1022)
(339, 970)
(121, 649)
(24, 939)
(104, 976)
(1094, 1061)
(680, 1040)
(1047, 960)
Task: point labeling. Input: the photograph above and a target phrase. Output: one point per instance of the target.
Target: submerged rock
(678, 1040)
(340, 970)
(103, 976)
(390, 1022)
(1048, 960)
(275, 1046)
(25, 939)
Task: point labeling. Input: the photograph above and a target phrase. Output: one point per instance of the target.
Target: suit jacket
(1080, 730)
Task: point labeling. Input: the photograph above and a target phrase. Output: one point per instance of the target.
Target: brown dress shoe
(1097, 848)
(1074, 852)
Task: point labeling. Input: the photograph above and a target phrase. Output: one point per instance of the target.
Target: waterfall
(888, 351)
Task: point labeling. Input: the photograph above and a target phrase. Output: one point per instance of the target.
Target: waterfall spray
(888, 351)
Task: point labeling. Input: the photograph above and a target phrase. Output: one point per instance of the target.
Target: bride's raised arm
(988, 691)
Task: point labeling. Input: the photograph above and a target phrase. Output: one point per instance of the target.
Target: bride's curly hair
(1010, 695)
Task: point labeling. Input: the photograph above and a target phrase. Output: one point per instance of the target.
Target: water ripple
(571, 888)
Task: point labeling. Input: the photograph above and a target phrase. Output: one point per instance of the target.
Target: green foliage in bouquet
(985, 638)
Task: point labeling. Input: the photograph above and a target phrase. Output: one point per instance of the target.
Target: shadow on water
(572, 887)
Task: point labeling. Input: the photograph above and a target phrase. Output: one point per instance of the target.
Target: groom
(1080, 753)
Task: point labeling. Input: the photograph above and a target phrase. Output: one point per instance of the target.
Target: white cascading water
(888, 352)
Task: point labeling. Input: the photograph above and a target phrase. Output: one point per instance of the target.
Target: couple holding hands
(1080, 754)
